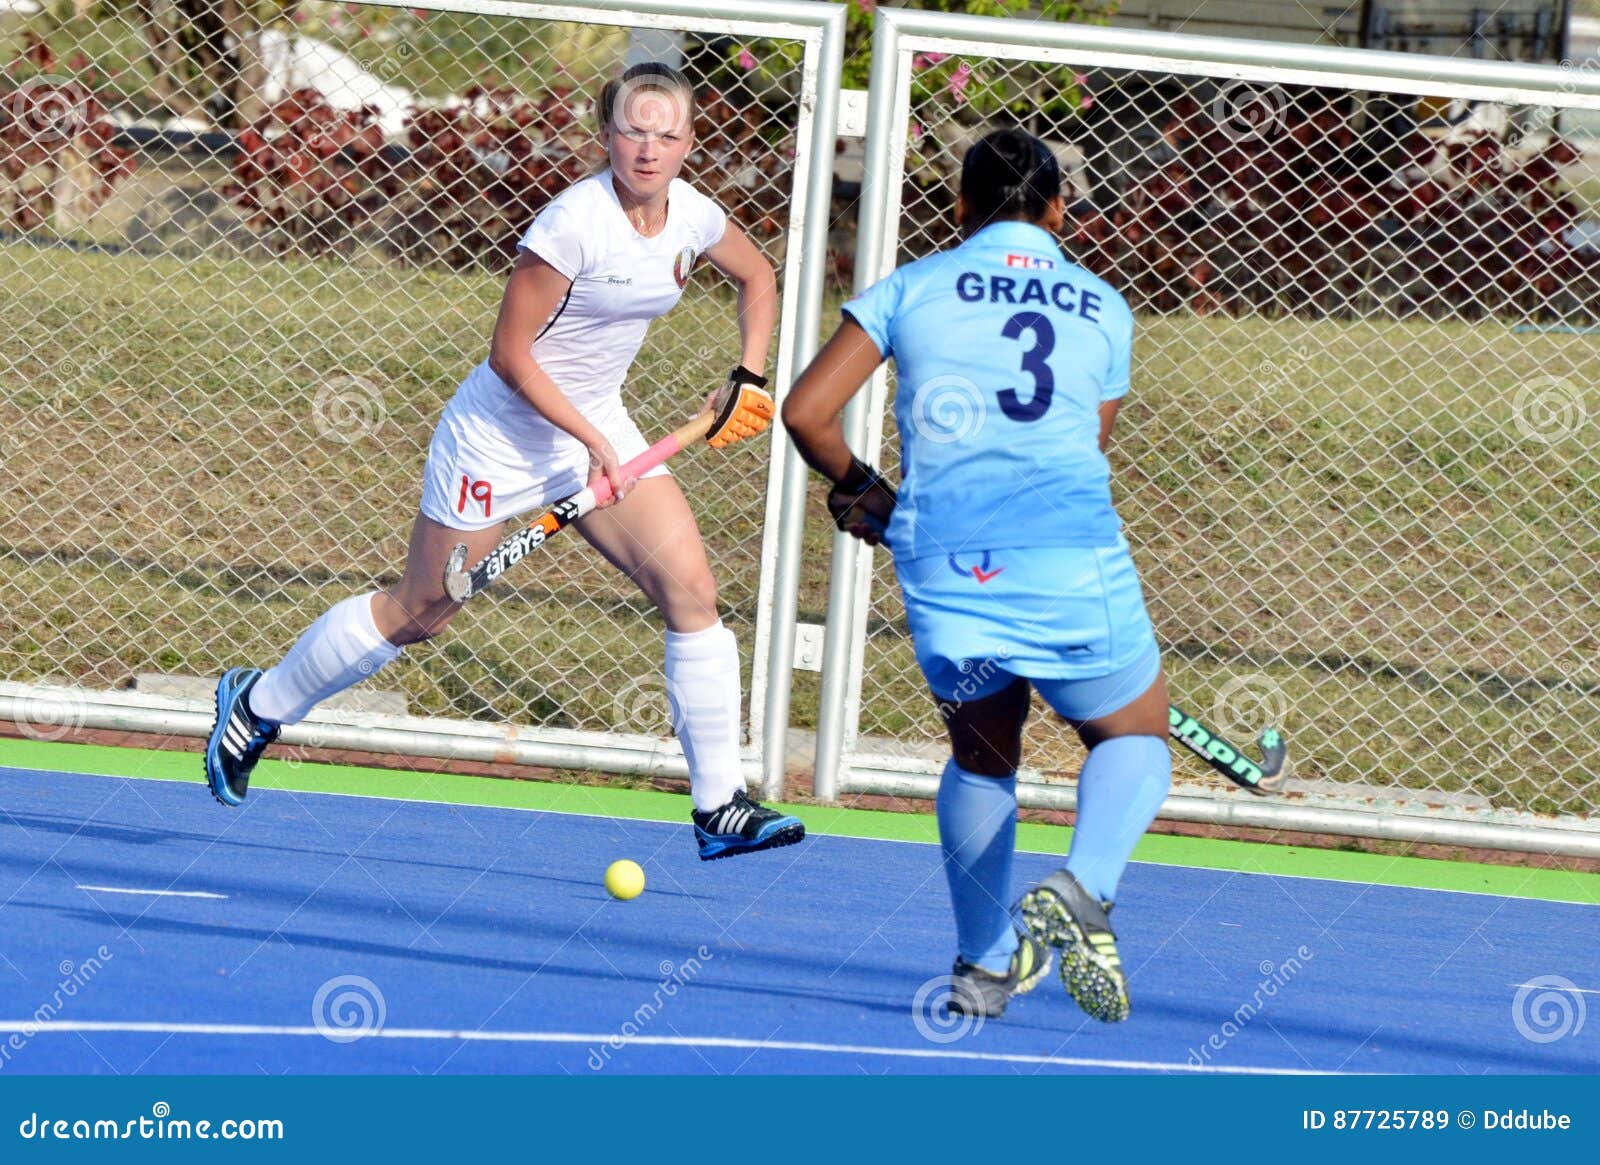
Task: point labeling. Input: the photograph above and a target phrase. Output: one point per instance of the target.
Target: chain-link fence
(250, 250)
(247, 261)
(1356, 465)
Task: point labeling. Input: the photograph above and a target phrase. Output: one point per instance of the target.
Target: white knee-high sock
(703, 686)
(339, 650)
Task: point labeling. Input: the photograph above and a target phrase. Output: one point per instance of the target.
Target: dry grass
(1350, 524)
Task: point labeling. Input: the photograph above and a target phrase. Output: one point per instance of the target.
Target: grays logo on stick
(461, 584)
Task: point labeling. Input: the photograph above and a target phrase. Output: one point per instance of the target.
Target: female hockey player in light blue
(1010, 556)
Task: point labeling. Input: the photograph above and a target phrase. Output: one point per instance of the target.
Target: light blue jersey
(1008, 551)
(1005, 351)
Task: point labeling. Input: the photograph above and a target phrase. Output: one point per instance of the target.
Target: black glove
(861, 502)
(742, 375)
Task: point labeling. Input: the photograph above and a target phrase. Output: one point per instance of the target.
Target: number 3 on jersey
(1034, 362)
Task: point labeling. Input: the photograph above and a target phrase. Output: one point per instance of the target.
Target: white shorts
(478, 474)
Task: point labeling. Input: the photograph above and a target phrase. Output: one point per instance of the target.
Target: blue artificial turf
(807, 959)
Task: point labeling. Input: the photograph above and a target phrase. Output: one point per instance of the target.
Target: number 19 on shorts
(478, 491)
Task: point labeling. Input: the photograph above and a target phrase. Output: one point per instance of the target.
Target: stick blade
(1274, 754)
(457, 581)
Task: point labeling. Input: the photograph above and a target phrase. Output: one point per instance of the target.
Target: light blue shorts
(1070, 619)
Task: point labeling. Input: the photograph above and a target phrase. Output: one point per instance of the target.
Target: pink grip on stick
(661, 451)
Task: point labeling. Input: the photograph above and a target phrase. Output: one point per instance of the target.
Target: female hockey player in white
(538, 419)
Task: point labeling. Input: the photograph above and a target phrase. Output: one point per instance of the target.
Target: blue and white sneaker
(237, 739)
(742, 826)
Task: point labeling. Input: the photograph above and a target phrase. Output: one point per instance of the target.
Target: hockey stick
(1229, 760)
(461, 584)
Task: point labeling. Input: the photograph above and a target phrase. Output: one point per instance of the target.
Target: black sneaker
(1061, 913)
(742, 826)
(237, 739)
(984, 994)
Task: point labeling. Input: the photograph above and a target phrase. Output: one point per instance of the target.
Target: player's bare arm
(742, 406)
(533, 293)
(736, 257)
(1108, 419)
(812, 410)
(861, 501)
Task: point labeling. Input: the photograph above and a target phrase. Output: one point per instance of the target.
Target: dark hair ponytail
(1009, 174)
(649, 76)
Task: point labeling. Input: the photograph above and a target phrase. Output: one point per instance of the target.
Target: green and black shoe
(1059, 912)
(984, 994)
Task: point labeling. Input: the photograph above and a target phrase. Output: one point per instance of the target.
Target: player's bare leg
(651, 536)
(352, 640)
(416, 608)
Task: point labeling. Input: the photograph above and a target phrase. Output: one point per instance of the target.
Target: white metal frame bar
(1228, 57)
(804, 284)
(820, 28)
(899, 34)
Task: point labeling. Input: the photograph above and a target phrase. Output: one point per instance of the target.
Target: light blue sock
(978, 834)
(1122, 785)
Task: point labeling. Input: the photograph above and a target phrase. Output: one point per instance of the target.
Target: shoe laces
(259, 739)
(741, 800)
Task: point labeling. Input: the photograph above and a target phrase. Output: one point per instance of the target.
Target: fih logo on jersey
(980, 572)
(1030, 262)
(683, 265)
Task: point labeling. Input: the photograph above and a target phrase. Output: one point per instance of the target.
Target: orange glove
(744, 408)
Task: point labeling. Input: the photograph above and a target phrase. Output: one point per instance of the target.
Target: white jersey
(620, 282)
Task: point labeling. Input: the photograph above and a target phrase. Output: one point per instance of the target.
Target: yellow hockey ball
(624, 879)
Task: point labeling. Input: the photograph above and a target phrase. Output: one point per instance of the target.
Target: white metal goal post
(1354, 473)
